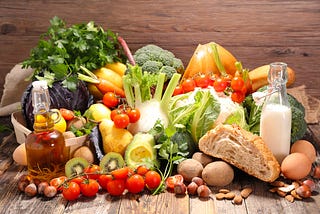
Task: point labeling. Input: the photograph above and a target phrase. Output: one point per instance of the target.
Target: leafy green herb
(167, 150)
(62, 50)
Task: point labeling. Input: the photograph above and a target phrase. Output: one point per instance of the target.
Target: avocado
(141, 151)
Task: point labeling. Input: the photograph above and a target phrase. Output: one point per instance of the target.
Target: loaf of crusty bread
(242, 149)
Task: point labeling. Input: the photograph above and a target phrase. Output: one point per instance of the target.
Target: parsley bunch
(62, 50)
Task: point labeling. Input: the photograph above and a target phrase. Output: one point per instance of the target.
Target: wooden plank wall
(257, 32)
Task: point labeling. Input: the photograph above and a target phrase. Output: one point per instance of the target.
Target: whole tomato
(89, 187)
(58, 182)
(220, 85)
(237, 83)
(135, 183)
(116, 187)
(237, 96)
(121, 173)
(93, 171)
(188, 85)
(152, 179)
(178, 90)
(71, 191)
(110, 99)
(67, 114)
(134, 115)
(121, 121)
(103, 180)
(202, 81)
(142, 170)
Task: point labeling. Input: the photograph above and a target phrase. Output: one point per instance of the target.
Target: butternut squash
(259, 77)
(202, 61)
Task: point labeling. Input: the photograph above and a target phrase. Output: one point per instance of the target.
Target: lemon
(60, 123)
(97, 112)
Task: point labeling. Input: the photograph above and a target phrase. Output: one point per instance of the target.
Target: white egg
(19, 155)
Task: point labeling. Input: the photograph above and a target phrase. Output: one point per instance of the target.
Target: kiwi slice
(75, 166)
(111, 161)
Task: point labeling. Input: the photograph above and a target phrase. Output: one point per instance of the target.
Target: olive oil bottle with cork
(45, 146)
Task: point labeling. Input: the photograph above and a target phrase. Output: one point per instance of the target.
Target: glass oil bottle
(45, 146)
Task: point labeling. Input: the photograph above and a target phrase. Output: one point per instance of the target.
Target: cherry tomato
(57, 182)
(178, 90)
(104, 180)
(134, 115)
(121, 121)
(237, 96)
(71, 191)
(93, 171)
(116, 187)
(142, 170)
(67, 114)
(202, 81)
(135, 183)
(89, 187)
(78, 180)
(110, 99)
(152, 179)
(188, 85)
(237, 83)
(121, 173)
(173, 180)
(220, 85)
(114, 112)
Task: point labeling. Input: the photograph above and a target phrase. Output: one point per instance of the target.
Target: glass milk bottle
(45, 146)
(275, 122)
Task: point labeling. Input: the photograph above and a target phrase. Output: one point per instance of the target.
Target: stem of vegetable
(126, 50)
(217, 59)
(92, 78)
(169, 91)
(159, 88)
(128, 91)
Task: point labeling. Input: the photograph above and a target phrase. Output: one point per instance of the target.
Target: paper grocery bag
(14, 86)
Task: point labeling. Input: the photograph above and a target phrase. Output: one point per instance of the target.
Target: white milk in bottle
(275, 121)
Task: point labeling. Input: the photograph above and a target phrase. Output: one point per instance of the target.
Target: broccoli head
(155, 59)
(152, 66)
(298, 124)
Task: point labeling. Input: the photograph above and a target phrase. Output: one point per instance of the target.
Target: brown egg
(304, 146)
(296, 166)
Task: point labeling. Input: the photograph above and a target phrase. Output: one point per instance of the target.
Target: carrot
(105, 86)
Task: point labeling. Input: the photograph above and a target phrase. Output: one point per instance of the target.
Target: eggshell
(296, 166)
(304, 146)
(19, 155)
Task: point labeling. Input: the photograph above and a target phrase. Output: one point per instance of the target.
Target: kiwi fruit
(111, 161)
(75, 166)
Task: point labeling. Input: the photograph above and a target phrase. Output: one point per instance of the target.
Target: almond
(289, 198)
(220, 196)
(229, 195)
(224, 191)
(237, 200)
(246, 192)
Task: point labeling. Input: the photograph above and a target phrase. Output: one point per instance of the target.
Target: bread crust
(242, 149)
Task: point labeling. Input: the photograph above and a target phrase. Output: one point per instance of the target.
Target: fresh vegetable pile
(144, 113)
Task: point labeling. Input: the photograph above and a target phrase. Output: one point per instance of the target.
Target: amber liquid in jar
(46, 151)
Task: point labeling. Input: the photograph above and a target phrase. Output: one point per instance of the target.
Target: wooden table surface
(257, 32)
(260, 201)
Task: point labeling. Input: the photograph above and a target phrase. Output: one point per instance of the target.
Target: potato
(85, 153)
(189, 169)
(202, 158)
(218, 173)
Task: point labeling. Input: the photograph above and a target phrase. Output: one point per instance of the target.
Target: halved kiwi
(111, 161)
(75, 166)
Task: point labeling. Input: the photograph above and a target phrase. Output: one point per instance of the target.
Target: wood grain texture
(256, 32)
